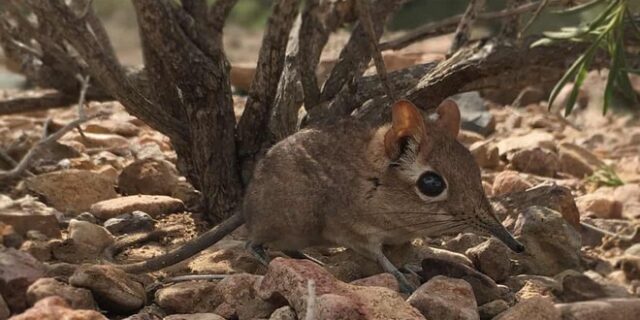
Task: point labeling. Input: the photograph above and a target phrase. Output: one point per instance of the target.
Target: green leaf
(580, 76)
(565, 78)
(542, 42)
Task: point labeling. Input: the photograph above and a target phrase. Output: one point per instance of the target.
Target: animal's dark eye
(431, 184)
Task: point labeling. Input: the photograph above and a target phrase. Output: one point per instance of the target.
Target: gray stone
(130, 222)
(112, 288)
(552, 245)
(474, 113)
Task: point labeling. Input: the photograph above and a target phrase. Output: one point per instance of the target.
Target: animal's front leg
(376, 254)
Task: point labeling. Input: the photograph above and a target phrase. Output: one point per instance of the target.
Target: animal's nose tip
(517, 247)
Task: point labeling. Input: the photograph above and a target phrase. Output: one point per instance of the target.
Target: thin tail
(189, 249)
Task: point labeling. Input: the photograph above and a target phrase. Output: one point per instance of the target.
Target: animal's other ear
(449, 117)
(407, 123)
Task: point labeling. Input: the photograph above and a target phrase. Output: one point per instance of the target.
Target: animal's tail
(189, 249)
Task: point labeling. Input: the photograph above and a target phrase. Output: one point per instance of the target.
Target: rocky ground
(546, 175)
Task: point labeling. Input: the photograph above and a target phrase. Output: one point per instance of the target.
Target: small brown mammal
(349, 184)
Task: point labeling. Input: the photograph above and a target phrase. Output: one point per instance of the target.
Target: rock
(225, 257)
(537, 161)
(38, 249)
(152, 205)
(121, 128)
(148, 176)
(88, 217)
(534, 139)
(61, 270)
(467, 138)
(77, 298)
(599, 205)
(189, 297)
(545, 284)
(509, 181)
(629, 196)
(462, 242)
(55, 308)
(86, 233)
(542, 308)
(73, 252)
(283, 313)
(485, 153)
(534, 289)
(27, 213)
(491, 258)
(102, 140)
(129, 223)
(577, 161)
(474, 113)
(4, 309)
(552, 245)
(385, 280)
(578, 287)
(72, 191)
(9, 237)
(194, 316)
(630, 265)
(610, 309)
(289, 279)
(634, 250)
(111, 287)
(445, 298)
(18, 270)
(560, 199)
(484, 288)
(491, 309)
(239, 293)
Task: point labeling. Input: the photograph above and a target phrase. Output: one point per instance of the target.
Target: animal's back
(302, 181)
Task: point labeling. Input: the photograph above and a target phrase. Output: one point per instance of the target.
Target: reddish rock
(485, 153)
(578, 161)
(148, 176)
(152, 205)
(189, 297)
(77, 298)
(239, 293)
(537, 161)
(27, 213)
(55, 308)
(445, 298)
(18, 270)
(385, 280)
(112, 288)
(72, 191)
(491, 258)
(599, 206)
(609, 309)
(290, 278)
(509, 181)
(535, 308)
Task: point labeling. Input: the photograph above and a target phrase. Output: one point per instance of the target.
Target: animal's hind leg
(257, 250)
(301, 255)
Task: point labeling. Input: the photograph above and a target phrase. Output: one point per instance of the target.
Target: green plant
(605, 176)
(604, 34)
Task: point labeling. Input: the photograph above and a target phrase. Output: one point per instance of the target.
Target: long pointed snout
(495, 228)
(503, 235)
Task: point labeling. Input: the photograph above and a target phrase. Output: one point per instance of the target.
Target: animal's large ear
(407, 124)
(449, 117)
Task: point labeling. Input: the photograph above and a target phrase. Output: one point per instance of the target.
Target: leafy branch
(604, 34)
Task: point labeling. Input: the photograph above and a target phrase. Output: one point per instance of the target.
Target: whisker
(429, 223)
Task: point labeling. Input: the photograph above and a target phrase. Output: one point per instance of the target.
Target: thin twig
(364, 13)
(449, 24)
(84, 86)
(194, 277)
(311, 300)
(463, 31)
(44, 143)
(543, 4)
